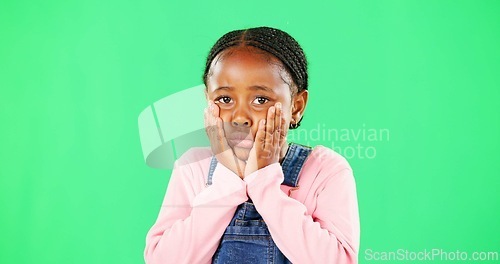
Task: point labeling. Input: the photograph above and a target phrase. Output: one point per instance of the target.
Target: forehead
(244, 67)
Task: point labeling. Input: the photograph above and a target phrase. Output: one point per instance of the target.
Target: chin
(241, 153)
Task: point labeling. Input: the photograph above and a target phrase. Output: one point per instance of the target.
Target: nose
(241, 117)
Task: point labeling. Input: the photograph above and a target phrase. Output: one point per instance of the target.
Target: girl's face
(244, 83)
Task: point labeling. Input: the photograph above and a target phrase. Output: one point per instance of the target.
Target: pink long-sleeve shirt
(316, 223)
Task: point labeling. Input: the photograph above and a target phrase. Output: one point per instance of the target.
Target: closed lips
(242, 143)
(240, 136)
(241, 140)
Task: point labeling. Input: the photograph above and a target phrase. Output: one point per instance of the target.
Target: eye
(260, 100)
(224, 99)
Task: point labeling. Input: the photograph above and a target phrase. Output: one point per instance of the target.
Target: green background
(74, 76)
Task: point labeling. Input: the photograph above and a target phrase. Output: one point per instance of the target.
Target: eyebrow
(253, 87)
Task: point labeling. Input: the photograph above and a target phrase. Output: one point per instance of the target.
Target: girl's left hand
(268, 142)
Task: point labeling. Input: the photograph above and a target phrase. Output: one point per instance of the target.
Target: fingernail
(272, 109)
(278, 105)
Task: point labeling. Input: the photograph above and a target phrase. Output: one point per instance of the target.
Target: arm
(190, 224)
(330, 235)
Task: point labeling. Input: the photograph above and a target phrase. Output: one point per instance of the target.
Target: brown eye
(261, 100)
(224, 99)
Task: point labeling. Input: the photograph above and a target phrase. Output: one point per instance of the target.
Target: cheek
(225, 115)
(287, 113)
(258, 115)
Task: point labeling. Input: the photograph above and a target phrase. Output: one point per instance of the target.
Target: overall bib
(247, 238)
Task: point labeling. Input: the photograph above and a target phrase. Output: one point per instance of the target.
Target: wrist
(271, 175)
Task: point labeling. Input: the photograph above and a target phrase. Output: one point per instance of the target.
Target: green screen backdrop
(408, 91)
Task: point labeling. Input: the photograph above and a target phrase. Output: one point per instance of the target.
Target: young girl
(252, 197)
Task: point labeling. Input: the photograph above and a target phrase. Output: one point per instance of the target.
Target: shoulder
(194, 156)
(325, 159)
(192, 166)
(326, 168)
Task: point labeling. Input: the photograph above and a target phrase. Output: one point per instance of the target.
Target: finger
(210, 119)
(210, 124)
(216, 123)
(215, 109)
(282, 134)
(221, 137)
(277, 117)
(277, 128)
(207, 118)
(269, 128)
(284, 129)
(260, 136)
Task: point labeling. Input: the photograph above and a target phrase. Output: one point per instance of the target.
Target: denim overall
(247, 238)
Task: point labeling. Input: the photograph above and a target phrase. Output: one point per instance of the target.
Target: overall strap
(294, 159)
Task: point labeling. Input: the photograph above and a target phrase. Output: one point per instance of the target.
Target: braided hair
(273, 41)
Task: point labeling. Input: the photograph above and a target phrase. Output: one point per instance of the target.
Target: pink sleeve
(190, 224)
(329, 235)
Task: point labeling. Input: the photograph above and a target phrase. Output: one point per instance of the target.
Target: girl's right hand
(218, 142)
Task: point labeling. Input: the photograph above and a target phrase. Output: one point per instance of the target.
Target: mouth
(241, 143)
(242, 140)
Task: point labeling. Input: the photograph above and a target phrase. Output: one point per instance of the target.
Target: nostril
(241, 123)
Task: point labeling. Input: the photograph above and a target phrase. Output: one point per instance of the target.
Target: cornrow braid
(273, 41)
